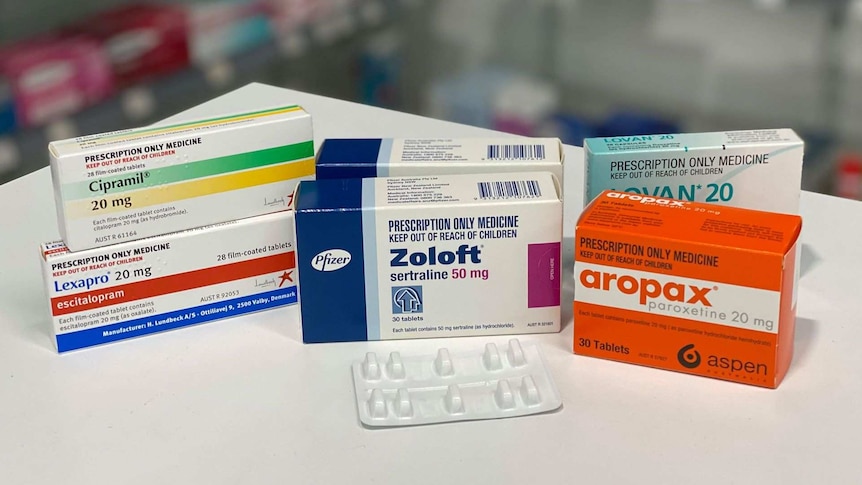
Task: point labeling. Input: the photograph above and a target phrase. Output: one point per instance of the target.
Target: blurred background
(566, 68)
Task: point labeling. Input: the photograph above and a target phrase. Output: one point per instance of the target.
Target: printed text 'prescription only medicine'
(166, 282)
(758, 169)
(686, 286)
(435, 256)
(128, 185)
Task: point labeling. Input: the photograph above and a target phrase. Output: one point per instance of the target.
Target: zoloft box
(152, 285)
(686, 286)
(400, 157)
(132, 184)
(758, 169)
(436, 256)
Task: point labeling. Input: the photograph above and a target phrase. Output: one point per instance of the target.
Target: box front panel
(145, 184)
(639, 309)
(429, 257)
(486, 270)
(764, 176)
(133, 289)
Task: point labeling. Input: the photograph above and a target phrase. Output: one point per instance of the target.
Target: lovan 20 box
(756, 169)
(127, 185)
(436, 256)
(152, 285)
(686, 286)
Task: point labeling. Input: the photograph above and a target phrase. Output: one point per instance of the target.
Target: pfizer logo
(331, 260)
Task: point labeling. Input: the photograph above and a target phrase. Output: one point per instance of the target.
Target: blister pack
(488, 384)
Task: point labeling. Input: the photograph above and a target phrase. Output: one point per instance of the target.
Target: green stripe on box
(193, 170)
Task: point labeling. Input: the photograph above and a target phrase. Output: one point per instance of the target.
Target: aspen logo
(736, 366)
(330, 260)
(646, 199)
(688, 357)
(647, 289)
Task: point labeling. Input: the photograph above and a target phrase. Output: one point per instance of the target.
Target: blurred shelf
(24, 151)
(821, 145)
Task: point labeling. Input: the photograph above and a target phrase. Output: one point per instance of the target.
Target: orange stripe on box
(174, 283)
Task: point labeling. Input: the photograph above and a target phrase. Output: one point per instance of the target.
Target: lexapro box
(686, 286)
(396, 157)
(760, 169)
(132, 184)
(161, 283)
(435, 256)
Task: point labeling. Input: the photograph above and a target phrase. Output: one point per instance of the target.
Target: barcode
(516, 152)
(513, 189)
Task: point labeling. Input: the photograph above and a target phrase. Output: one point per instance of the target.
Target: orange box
(686, 286)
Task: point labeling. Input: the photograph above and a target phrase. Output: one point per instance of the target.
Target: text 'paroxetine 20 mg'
(686, 286)
(435, 256)
(128, 185)
(166, 282)
(758, 169)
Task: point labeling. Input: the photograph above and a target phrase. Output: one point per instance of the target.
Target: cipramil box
(436, 256)
(340, 158)
(686, 286)
(755, 169)
(128, 185)
(152, 285)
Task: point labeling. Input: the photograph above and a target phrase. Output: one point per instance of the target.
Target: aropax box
(686, 286)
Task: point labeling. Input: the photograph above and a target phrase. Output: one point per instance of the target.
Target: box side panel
(787, 332)
(348, 158)
(331, 264)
